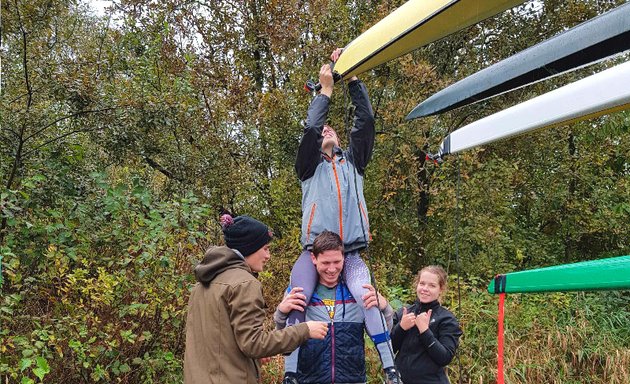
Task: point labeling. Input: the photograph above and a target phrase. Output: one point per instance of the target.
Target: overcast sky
(99, 5)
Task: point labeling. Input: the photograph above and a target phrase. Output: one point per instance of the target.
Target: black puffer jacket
(421, 358)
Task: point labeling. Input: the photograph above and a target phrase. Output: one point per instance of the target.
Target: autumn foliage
(125, 132)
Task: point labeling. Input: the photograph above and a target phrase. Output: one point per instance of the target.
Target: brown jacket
(224, 328)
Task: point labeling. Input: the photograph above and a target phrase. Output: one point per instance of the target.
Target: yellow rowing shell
(413, 25)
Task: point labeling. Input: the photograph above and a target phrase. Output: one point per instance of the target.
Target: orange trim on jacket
(338, 199)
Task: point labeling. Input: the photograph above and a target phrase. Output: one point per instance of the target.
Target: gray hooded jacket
(330, 198)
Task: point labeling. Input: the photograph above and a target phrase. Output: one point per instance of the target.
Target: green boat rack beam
(605, 274)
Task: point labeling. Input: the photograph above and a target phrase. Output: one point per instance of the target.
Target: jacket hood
(217, 260)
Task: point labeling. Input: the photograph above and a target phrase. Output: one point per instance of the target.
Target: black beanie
(245, 234)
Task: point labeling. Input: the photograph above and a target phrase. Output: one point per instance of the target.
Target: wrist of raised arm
(354, 81)
(326, 91)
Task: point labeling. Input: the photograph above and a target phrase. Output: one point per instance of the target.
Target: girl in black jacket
(425, 335)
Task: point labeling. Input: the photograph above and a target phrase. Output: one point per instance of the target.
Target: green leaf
(40, 373)
(42, 368)
(26, 380)
(74, 344)
(6, 310)
(43, 364)
(25, 363)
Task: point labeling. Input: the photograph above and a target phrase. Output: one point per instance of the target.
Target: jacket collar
(217, 260)
(337, 152)
(423, 307)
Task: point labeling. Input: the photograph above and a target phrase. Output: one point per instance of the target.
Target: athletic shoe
(392, 376)
(289, 378)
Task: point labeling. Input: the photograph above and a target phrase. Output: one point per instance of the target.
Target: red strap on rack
(500, 340)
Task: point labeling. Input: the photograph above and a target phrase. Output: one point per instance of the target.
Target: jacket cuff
(280, 319)
(427, 338)
(321, 95)
(388, 314)
(354, 83)
(305, 333)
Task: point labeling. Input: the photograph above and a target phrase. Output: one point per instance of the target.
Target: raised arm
(363, 131)
(309, 155)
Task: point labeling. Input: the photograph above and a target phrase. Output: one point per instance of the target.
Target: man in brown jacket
(224, 329)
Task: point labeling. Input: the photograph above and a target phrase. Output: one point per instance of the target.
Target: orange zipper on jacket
(310, 221)
(338, 198)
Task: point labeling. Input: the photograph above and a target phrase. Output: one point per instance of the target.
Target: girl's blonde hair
(436, 270)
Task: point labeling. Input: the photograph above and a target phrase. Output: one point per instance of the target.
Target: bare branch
(12, 131)
(100, 45)
(59, 138)
(27, 81)
(207, 104)
(153, 164)
(67, 117)
(459, 123)
(23, 95)
(18, 152)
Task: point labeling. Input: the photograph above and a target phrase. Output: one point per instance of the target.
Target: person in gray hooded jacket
(332, 199)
